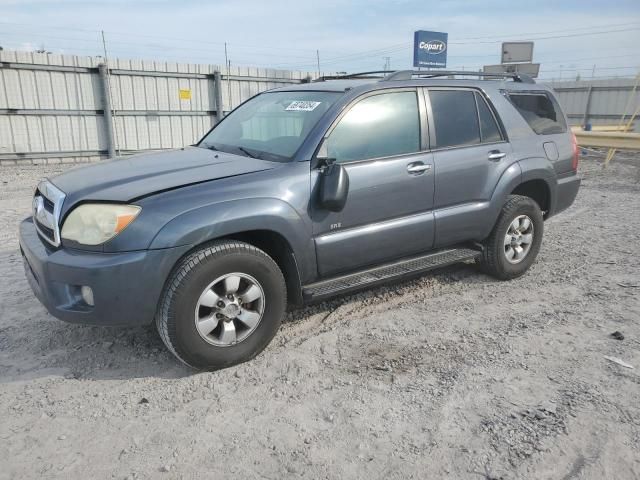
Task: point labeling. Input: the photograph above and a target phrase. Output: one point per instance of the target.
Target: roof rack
(409, 74)
(371, 74)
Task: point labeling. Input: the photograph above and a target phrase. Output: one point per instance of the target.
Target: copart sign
(430, 49)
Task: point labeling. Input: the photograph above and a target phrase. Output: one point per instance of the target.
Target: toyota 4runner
(299, 194)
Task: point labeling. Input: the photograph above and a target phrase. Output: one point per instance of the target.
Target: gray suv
(300, 194)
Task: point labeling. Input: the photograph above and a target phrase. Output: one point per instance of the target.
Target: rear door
(470, 154)
(382, 145)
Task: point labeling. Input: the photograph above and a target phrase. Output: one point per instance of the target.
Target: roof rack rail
(408, 74)
(348, 76)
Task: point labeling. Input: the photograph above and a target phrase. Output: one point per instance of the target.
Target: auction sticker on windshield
(303, 106)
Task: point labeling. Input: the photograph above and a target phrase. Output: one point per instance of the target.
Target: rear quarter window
(540, 110)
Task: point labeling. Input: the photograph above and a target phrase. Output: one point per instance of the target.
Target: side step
(385, 273)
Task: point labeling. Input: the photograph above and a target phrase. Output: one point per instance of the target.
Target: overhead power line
(564, 30)
(406, 45)
(592, 29)
(554, 36)
(295, 60)
(145, 45)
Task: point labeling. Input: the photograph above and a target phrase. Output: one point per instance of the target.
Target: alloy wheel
(229, 309)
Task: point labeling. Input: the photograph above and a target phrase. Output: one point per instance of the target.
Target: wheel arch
(279, 249)
(539, 182)
(270, 224)
(273, 244)
(538, 190)
(525, 177)
(510, 179)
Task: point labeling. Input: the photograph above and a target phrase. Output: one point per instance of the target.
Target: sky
(349, 35)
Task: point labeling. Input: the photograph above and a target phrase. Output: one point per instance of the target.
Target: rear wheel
(222, 305)
(515, 240)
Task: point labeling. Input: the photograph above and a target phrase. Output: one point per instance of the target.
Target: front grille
(46, 231)
(47, 204)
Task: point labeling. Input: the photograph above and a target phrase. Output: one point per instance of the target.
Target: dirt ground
(453, 375)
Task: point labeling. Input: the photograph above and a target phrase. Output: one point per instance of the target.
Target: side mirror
(334, 186)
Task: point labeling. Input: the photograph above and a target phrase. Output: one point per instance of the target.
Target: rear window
(540, 110)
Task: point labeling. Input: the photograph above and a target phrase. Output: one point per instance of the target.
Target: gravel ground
(453, 375)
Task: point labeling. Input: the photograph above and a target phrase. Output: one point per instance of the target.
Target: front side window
(271, 126)
(541, 112)
(377, 126)
(455, 118)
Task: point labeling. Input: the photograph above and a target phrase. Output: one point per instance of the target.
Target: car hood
(130, 178)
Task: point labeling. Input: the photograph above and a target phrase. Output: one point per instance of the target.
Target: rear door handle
(496, 155)
(418, 168)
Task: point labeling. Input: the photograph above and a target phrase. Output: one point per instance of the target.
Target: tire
(495, 258)
(190, 305)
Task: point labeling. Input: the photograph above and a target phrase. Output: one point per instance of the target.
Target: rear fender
(538, 168)
(533, 168)
(510, 179)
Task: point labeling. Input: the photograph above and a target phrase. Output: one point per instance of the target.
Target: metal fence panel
(52, 107)
(599, 102)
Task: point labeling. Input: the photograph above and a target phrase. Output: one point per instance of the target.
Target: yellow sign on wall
(185, 94)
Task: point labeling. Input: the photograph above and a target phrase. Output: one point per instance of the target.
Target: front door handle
(418, 168)
(496, 155)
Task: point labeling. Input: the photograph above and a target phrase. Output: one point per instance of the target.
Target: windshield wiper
(247, 152)
(242, 149)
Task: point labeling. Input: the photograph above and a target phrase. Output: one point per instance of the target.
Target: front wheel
(222, 305)
(515, 240)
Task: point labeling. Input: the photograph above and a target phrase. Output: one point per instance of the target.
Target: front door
(388, 213)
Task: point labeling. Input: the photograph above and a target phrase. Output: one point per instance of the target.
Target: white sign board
(531, 69)
(517, 52)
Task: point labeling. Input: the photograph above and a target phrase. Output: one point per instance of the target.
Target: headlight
(95, 223)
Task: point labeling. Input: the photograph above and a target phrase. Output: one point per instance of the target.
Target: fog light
(87, 295)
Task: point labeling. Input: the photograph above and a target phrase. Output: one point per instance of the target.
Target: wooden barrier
(604, 128)
(617, 140)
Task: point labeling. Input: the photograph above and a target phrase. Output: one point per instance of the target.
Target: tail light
(576, 152)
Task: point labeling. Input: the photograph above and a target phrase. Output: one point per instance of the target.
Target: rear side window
(455, 118)
(377, 126)
(488, 127)
(540, 110)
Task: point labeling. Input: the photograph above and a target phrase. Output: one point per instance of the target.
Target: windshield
(270, 126)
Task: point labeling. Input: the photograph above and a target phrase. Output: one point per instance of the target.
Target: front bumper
(126, 286)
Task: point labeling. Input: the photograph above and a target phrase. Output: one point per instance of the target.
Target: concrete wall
(52, 106)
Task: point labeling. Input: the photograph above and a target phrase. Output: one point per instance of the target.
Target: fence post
(106, 107)
(585, 117)
(217, 88)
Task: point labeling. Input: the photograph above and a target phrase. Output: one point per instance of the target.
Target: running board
(385, 273)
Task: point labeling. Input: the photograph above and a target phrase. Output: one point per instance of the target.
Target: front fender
(218, 220)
